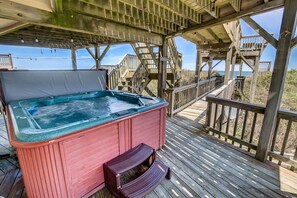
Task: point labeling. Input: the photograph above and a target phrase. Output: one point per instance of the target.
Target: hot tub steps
(142, 185)
(147, 182)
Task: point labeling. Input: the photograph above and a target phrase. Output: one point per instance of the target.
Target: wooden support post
(97, 55)
(162, 65)
(233, 66)
(210, 60)
(209, 71)
(73, 58)
(254, 79)
(198, 65)
(198, 68)
(240, 68)
(282, 56)
(227, 67)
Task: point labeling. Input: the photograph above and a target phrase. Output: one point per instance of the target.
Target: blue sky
(43, 58)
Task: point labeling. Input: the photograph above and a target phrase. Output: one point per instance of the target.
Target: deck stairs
(135, 72)
(142, 185)
(147, 54)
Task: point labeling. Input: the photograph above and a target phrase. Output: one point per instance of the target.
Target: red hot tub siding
(72, 165)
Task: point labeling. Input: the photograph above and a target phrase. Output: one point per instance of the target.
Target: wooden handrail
(236, 104)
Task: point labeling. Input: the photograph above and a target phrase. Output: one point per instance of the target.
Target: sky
(44, 58)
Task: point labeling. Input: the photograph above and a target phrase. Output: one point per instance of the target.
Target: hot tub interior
(55, 116)
(71, 109)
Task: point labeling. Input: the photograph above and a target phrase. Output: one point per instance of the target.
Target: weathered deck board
(203, 166)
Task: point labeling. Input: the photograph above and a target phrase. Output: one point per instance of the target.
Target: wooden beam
(246, 62)
(217, 64)
(235, 4)
(12, 28)
(217, 46)
(216, 38)
(268, 37)
(104, 52)
(76, 22)
(251, 10)
(90, 52)
(278, 78)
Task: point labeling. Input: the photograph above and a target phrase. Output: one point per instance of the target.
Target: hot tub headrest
(18, 85)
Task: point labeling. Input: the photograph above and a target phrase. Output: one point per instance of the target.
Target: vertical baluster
(235, 124)
(215, 116)
(244, 126)
(274, 136)
(228, 121)
(285, 140)
(222, 120)
(253, 129)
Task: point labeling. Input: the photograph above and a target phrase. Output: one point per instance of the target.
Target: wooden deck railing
(120, 70)
(252, 43)
(240, 123)
(181, 97)
(283, 146)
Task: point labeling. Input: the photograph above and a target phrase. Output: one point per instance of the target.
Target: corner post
(227, 67)
(162, 65)
(97, 56)
(210, 61)
(73, 58)
(254, 79)
(240, 68)
(233, 66)
(282, 56)
(197, 71)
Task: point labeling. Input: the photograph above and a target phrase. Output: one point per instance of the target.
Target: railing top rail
(5, 55)
(251, 36)
(282, 114)
(236, 104)
(287, 115)
(178, 89)
(185, 87)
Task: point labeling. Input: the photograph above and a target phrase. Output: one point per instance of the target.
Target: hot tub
(62, 142)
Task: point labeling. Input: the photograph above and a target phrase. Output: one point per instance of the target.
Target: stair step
(147, 182)
(130, 159)
(124, 162)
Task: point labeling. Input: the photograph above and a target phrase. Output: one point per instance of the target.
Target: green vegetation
(289, 99)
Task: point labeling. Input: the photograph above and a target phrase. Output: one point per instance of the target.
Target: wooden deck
(203, 166)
